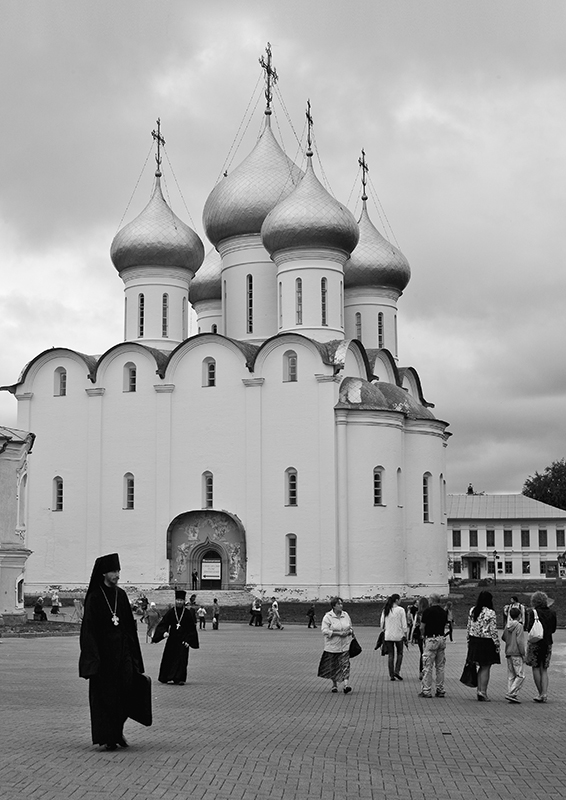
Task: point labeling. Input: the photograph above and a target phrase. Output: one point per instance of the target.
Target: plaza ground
(254, 722)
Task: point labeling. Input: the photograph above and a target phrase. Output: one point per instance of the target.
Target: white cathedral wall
(426, 541)
(56, 538)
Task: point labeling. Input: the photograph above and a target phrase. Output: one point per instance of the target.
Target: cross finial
(365, 169)
(271, 77)
(160, 141)
(310, 124)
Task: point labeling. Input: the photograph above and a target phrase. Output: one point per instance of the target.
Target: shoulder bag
(536, 633)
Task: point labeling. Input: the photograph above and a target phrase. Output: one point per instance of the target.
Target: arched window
(60, 382)
(130, 377)
(125, 318)
(129, 491)
(209, 372)
(323, 301)
(291, 542)
(207, 490)
(57, 504)
(214, 329)
(341, 304)
(358, 326)
(290, 366)
(442, 495)
(380, 330)
(427, 499)
(165, 316)
(291, 487)
(185, 319)
(141, 315)
(299, 301)
(378, 486)
(250, 303)
(280, 305)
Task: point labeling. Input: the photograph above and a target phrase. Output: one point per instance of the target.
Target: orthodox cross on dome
(271, 77)
(365, 169)
(310, 124)
(160, 141)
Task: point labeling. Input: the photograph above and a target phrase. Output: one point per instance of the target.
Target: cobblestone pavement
(254, 722)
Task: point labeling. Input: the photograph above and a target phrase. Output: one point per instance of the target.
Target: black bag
(380, 640)
(139, 707)
(469, 676)
(355, 648)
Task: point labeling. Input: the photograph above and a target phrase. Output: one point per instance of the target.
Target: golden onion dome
(309, 217)
(157, 238)
(240, 202)
(206, 285)
(375, 261)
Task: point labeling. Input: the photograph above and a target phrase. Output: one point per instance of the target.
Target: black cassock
(110, 654)
(176, 654)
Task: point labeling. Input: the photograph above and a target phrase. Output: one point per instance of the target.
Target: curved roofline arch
(374, 354)
(415, 375)
(49, 355)
(243, 348)
(288, 336)
(159, 356)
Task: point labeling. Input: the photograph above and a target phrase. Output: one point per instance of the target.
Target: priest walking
(178, 627)
(110, 656)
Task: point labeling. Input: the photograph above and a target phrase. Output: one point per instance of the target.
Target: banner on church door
(211, 569)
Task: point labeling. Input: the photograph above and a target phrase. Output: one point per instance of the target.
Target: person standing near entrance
(215, 614)
(178, 627)
(110, 653)
(194, 577)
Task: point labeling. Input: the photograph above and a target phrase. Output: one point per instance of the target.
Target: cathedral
(282, 449)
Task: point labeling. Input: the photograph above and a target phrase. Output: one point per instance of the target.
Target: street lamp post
(495, 557)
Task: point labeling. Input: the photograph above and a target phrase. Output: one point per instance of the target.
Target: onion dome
(206, 285)
(375, 262)
(309, 217)
(240, 202)
(157, 238)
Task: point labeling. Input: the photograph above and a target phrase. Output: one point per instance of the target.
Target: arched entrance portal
(210, 543)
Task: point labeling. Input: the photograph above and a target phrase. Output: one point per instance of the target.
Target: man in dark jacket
(433, 626)
(110, 654)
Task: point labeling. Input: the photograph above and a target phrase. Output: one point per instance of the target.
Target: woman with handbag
(539, 652)
(337, 630)
(483, 640)
(394, 623)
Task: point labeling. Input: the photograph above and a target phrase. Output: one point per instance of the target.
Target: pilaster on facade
(164, 388)
(97, 391)
(328, 378)
(249, 382)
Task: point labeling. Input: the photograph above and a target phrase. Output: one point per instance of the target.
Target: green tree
(549, 486)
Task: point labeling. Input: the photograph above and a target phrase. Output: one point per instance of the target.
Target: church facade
(281, 449)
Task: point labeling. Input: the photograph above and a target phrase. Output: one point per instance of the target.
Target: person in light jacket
(337, 630)
(394, 624)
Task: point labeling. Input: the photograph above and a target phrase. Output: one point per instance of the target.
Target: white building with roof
(282, 448)
(507, 536)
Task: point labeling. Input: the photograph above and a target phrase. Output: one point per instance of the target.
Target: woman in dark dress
(483, 640)
(539, 653)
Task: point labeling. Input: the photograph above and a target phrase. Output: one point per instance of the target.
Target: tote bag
(536, 633)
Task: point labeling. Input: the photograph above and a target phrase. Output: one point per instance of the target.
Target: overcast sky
(460, 106)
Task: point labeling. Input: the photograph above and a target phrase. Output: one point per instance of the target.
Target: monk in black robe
(178, 627)
(110, 654)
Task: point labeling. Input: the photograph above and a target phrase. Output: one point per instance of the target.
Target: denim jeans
(393, 663)
(434, 655)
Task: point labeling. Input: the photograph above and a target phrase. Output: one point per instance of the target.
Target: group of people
(431, 624)
(273, 617)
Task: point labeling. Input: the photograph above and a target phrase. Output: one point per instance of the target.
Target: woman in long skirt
(337, 631)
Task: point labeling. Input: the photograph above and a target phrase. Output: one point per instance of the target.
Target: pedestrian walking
(311, 616)
(110, 654)
(539, 653)
(179, 629)
(337, 630)
(274, 618)
(215, 614)
(433, 627)
(514, 638)
(483, 641)
(151, 619)
(394, 624)
(201, 614)
(449, 620)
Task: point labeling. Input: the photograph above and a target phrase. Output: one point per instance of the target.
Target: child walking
(514, 639)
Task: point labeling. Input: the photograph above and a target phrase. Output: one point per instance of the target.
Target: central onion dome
(309, 217)
(375, 261)
(207, 283)
(239, 203)
(157, 238)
